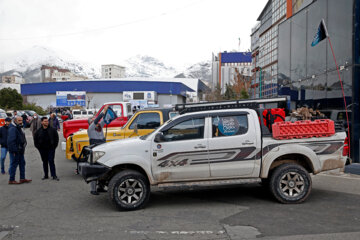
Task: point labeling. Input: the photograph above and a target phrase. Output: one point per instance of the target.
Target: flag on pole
(110, 115)
(321, 33)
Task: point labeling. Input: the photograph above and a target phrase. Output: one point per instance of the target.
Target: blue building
(164, 93)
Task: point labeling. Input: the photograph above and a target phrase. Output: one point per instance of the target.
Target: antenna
(239, 44)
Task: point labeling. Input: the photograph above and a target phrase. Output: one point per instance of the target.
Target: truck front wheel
(290, 183)
(129, 190)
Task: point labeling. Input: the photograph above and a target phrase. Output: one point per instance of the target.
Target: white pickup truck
(211, 147)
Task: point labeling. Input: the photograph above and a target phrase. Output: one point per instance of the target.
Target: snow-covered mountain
(146, 66)
(201, 70)
(28, 63)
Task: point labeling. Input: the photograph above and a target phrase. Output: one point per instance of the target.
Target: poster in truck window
(70, 98)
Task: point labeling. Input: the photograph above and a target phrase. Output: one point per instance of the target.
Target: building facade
(264, 49)
(306, 73)
(101, 91)
(55, 74)
(229, 67)
(13, 79)
(112, 71)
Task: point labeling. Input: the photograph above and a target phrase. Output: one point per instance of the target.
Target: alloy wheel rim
(292, 184)
(130, 191)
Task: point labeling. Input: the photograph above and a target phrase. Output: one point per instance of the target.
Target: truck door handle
(199, 146)
(247, 143)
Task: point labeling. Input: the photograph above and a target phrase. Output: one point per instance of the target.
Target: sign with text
(69, 99)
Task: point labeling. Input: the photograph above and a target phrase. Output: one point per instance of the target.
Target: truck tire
(290, 183)
(129, 190)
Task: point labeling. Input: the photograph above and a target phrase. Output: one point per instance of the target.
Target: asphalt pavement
(47, 209)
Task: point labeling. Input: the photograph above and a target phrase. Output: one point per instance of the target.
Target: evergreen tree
(10, 99)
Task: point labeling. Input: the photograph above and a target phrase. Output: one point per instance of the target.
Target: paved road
(65, 210)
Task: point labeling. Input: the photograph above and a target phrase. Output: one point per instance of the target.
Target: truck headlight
(97, 155)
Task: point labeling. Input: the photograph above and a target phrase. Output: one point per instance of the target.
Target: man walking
(35, 124)
(3, 141)
(46, 140)
(54, 122)
(96, 136)
(16, 144)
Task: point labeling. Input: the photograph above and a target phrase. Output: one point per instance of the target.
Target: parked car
(212, 147)
(141, 123)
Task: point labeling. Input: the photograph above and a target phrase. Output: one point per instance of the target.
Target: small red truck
(123, 112)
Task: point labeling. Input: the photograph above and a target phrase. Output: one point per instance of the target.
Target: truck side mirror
(159, 137)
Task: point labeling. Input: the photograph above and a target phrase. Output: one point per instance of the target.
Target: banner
(68, 99)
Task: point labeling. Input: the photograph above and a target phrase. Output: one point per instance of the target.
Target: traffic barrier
(303, 129)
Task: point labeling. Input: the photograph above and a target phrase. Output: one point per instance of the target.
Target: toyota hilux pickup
(212, 146)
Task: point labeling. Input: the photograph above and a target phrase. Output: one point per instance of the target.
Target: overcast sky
(178, 32)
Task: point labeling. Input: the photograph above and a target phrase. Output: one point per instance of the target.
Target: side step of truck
(200, 184)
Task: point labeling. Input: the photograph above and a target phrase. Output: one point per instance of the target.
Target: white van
(83, 113)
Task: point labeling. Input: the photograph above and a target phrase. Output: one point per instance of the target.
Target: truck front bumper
(92, 172)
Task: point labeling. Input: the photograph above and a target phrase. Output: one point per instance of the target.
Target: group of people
(46, 139)
(13, 141)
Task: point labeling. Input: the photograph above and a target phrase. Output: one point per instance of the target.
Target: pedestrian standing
(35, 124)
(3, 140)
(16, 145)
(54, 122)
(25, 119)
(14, 115)
(46, 140)
(96, 136)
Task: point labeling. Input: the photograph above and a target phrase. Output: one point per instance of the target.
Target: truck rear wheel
(129, 190)
(290, 183)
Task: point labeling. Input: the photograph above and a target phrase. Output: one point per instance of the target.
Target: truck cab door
(182, 152)
(232, 145)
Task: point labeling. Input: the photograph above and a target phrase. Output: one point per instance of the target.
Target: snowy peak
(146, 66)
(29, 62)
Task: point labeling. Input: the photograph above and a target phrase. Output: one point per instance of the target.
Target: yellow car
(141, 123)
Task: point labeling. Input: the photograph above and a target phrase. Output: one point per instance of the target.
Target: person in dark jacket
(16, 145)
(3, 141)
(46, 140)
(54, 122)
(25, 119)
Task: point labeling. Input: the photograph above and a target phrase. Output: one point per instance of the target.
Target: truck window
(146, 121)
(187, 130)
(78, 112)
(117, 109)
(173, 114)
(229, 125)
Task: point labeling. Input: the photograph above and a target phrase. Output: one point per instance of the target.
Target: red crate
(303, 129)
